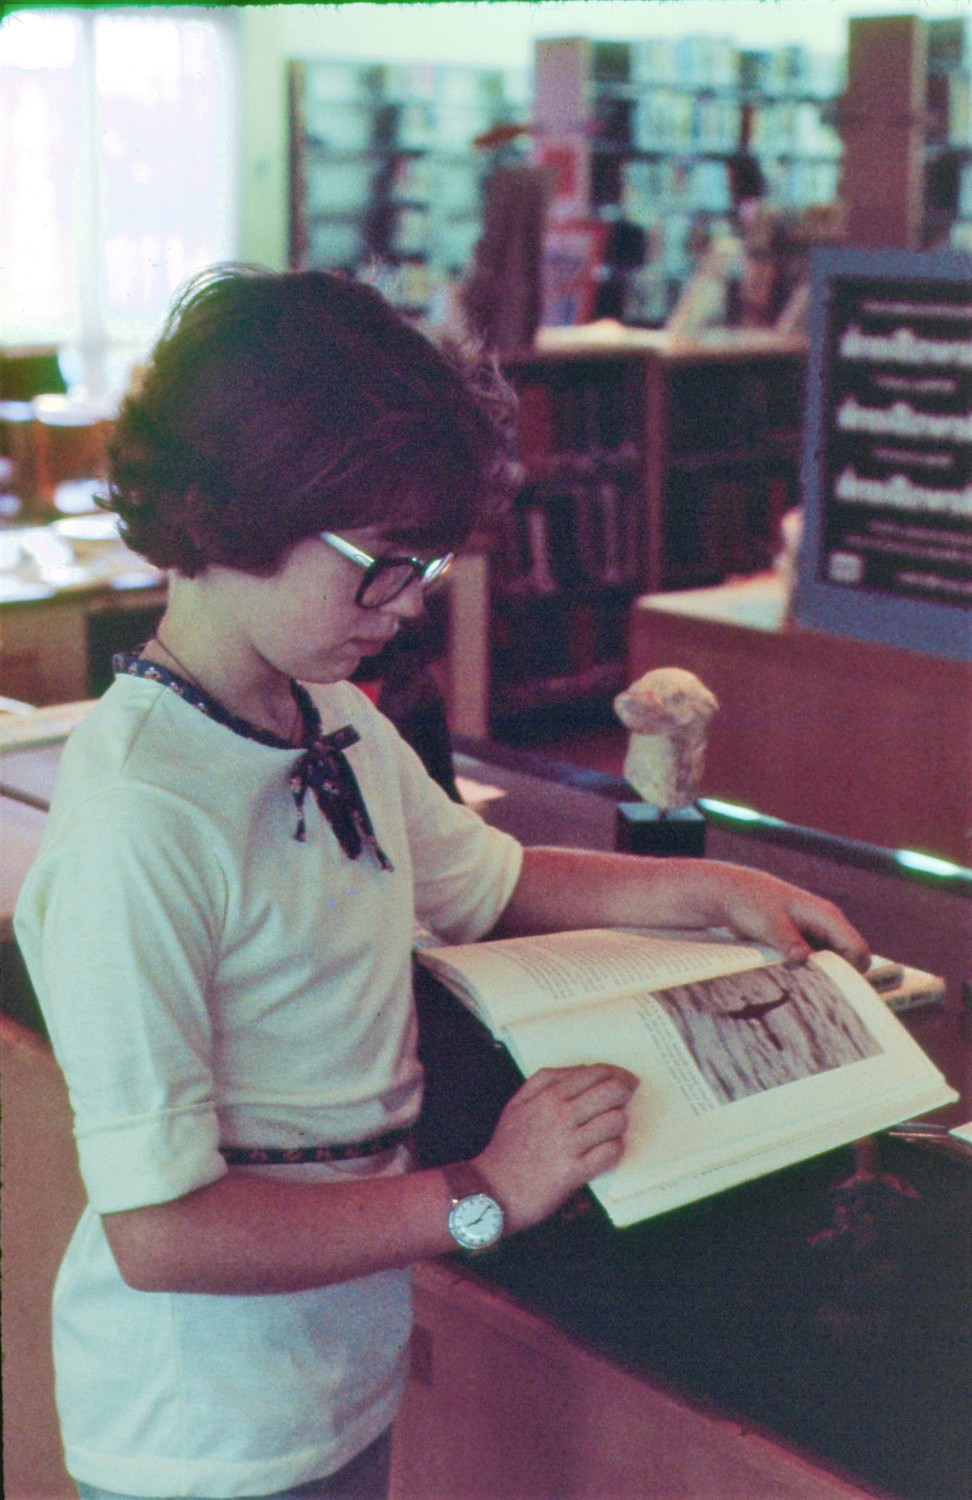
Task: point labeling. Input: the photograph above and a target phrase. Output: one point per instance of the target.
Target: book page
(739, 1074)
(510, 979)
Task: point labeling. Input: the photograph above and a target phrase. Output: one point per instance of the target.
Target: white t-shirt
(207, 980)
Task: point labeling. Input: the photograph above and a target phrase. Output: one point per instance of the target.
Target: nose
(409, 604)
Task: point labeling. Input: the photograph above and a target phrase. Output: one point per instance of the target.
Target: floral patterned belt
(290, 1156)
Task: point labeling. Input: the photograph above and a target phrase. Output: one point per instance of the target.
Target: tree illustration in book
(667, 712)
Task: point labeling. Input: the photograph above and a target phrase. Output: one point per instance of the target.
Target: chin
(338, 666)
(326, 676)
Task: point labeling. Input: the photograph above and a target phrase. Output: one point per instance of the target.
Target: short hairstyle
(276, 405)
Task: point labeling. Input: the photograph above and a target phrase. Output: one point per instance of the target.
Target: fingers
(826, 927)
(602, 1129)
(610, 1094)
(790, 919)
(593, 1100)
(560, 1129)
(603, 1157)
(833, 930)
(572, 1082)
(782, 933)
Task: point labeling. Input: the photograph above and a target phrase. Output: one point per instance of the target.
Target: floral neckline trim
(130, 664)
(321, 767)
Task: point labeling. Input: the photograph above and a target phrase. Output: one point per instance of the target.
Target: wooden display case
(502, 1404)
(861, 739)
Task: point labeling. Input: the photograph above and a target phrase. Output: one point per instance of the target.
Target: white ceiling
(502, 32)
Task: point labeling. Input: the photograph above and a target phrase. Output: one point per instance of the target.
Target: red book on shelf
(573, 253)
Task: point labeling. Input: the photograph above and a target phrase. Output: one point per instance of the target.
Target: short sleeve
(464, 871)
(119, 925)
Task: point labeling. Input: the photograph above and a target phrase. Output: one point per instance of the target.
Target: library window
(117, 176)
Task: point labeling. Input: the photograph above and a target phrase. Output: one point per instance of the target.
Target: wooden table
(50, 639)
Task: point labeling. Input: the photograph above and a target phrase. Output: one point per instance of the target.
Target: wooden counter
(55, 645)
(865, 741)
(502, 1406)
(21, 827)
(719, 1350)
(691, 1357)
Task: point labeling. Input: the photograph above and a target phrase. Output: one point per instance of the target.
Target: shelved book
(746, 1064)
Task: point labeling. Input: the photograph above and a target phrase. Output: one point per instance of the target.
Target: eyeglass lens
(383, 583)
(387, 578)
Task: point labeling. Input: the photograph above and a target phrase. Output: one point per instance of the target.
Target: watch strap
(464, 1179)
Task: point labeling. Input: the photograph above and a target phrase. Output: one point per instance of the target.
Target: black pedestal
(641, 828)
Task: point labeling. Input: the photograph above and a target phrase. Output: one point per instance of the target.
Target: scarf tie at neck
(321, 767)
(324, 769)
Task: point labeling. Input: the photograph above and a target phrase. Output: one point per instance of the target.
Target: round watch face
(476, 1222)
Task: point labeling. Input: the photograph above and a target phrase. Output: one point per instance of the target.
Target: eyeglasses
(387, 577)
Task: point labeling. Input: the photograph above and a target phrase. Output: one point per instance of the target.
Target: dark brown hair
(276, 405)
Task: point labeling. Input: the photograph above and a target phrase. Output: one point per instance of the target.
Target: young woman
(220, 918)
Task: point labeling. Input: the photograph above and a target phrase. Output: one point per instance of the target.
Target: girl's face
(303, 620)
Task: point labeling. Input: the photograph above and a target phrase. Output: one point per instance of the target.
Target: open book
(746, 1064)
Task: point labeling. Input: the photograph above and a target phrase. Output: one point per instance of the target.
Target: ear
(198, 522)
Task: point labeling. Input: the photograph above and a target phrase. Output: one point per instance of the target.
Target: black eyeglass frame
(426, 573)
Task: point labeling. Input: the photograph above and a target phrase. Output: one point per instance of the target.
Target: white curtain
(118, 176)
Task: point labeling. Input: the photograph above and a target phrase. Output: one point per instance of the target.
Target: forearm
(247, 1234)
(571, 888)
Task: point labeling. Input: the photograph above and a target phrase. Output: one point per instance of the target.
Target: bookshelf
(650, 124)
(948, 148)
(383, 172)
(567, 559)
(649, 464)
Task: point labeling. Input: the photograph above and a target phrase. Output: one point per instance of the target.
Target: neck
(188, 643)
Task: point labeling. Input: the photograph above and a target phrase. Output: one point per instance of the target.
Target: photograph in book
(765, 1027)
(746, 1064)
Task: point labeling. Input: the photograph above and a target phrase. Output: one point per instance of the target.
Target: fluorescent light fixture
(730, 810)
(927, 863)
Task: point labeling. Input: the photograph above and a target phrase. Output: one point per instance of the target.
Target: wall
(263, 133)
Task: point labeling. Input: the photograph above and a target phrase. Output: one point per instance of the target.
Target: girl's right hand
(560, 1129)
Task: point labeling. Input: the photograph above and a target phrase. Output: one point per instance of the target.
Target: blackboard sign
(887, 478)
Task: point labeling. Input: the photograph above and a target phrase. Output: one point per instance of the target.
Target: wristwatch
(475, 1219)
